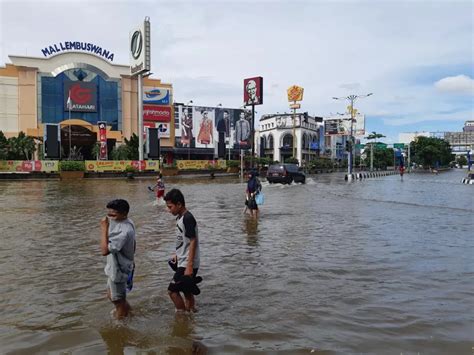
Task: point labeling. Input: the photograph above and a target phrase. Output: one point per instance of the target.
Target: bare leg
(190, 302)
(122, 308)
(177, 300)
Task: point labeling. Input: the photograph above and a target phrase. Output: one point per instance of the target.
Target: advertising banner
(241, 129)
(342, 126)
(156, 96)
(204, 127)
(200, 164)
(102, 140)
(295, 93)
(120, 165)
(224, 120)
(83, 96)
(29, 165)
(157, 113)
(253, 91)
(164, 130)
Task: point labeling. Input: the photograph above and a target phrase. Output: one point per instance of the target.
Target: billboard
(139, 46)
(156, 96)
(342, 126)
(253, 91)
(157, 113)
(203, 126)
(83, 96)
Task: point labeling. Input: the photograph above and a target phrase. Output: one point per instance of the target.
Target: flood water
(379, 266)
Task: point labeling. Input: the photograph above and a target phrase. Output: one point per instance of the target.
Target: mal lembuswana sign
(57, 48)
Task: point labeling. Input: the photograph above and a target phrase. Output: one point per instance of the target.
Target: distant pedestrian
(186, 257)
(402, 171)
(118, 243)
(253, 188)
(159, 187)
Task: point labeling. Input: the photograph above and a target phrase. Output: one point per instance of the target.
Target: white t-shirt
(186, 230)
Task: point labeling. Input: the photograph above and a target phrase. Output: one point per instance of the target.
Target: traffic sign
(381, 145)
(360, 146)
(399, 145)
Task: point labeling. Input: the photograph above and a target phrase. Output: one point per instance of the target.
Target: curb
(361, 176)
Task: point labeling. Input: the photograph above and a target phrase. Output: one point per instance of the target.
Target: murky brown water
(378, 266)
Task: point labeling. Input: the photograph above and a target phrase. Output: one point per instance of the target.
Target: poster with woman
(203, 127)
(186, 126)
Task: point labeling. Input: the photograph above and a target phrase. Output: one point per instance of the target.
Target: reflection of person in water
(224, 123)
(242, 130)
(205, 129)
(187, 128)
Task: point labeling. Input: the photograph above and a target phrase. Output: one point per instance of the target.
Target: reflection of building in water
(275, 137)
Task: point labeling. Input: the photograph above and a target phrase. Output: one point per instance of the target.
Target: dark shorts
(251, 203)
(185, 284)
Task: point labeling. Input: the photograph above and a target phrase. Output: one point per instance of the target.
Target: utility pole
(351, 98)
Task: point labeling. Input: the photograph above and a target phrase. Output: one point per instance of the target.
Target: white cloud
(462, 84)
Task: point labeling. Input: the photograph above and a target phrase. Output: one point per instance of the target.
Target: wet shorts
(185, 284)
(117, 290)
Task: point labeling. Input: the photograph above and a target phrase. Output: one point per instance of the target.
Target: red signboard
(102, 140)
(253, 91)
(157, 113)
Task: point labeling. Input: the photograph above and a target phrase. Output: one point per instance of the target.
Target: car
(285, 174)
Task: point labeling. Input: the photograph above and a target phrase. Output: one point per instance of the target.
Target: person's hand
(104, 223)
(174, 258)
(188, 271)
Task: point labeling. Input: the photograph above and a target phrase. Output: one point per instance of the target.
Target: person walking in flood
(186, 257)
(159, 187)
(253, 188)
(118, 243)
(402, 171)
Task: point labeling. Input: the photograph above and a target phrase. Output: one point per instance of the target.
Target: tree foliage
(431, 152)
(21, 147)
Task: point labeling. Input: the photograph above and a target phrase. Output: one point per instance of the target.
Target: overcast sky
(415, 56)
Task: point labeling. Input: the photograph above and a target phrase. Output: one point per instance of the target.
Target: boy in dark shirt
(186, 257)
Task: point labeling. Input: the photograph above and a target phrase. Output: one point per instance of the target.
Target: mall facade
(76, 90)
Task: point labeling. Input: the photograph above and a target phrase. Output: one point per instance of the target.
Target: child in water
(160, 187)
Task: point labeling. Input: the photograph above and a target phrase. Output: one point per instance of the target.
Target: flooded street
(376, 266)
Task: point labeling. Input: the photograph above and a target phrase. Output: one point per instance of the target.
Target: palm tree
(375, 136)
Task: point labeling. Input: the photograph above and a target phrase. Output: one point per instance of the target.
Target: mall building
(75, 90)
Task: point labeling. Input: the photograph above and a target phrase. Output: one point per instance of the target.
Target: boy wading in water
(186, 257)
(117, 242)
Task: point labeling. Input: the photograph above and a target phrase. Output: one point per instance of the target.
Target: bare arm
(104, 236)
(192, 253)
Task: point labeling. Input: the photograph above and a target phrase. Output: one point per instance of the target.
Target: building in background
(274, 138)
(35, 91)
(337, 131)
(461, 142)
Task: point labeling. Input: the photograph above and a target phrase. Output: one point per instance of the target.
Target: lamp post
(351, 99)
(190, 138)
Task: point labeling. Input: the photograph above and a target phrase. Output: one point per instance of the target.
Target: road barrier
(367, 175)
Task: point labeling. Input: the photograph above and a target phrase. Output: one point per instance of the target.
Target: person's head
(159, 176)
(252, 174)
(204, 113)
(242, 115)
(175, 202)
(226, 114)
(118, 209)
(251, 88)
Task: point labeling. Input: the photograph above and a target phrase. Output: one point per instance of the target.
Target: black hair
(175, 196)
(119, 205)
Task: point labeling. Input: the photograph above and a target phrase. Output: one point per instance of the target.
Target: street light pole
(351, 98)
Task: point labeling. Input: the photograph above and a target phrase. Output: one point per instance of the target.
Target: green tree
(462, 160)
(21, 147)
(3, 146)
(429, 152)
(132, 146)
(373, 146)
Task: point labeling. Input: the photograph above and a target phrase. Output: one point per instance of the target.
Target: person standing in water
(118, 243)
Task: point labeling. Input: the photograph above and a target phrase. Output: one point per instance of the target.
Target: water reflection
(374, 266)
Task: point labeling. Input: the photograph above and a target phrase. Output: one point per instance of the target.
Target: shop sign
(25, 166)
(80, 96)
(139, 47)
(156, 96)
(56, 48)
(200, 164)
(120, 165)
(102, 140)
(157, 113)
